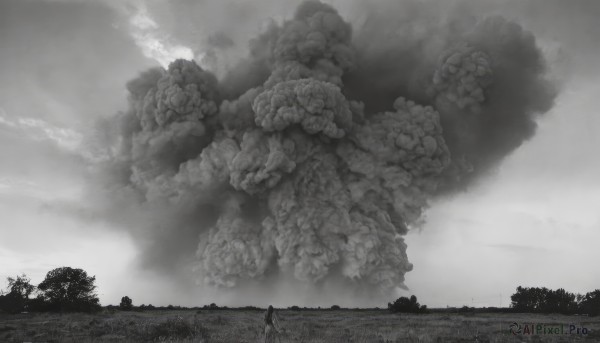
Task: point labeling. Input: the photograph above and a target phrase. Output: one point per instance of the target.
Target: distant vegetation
(544, 300)
(406, 305)
(126, 304)
(19, 290)
(64, 289)
(69, 289)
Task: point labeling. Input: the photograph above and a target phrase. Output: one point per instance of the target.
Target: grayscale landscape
(299, 170)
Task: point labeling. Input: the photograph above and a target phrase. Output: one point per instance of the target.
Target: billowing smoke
(309, 159)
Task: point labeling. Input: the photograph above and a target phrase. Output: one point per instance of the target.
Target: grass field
(299, 326)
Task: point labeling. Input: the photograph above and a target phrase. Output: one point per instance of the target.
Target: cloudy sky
(533, 221)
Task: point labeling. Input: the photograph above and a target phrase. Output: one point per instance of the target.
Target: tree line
(525, 300)
(64, 289)
(69, 289)
(544, 300)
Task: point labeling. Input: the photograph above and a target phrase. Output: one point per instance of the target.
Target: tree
(529, 299)
(69, 289)
(560, 301)
(404, 304)
(126, 304)
(17, 297)
(21, 286)
(590, 303)
(544, 300)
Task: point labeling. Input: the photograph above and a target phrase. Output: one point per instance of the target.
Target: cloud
(155, 44)
(40, 130)
(309, 161)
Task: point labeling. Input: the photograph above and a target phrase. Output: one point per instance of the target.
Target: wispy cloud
(38, 129)
(154, 43)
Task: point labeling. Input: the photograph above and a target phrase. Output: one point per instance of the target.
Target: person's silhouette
(272, 327)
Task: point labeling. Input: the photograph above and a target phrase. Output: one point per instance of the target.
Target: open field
(300, 326)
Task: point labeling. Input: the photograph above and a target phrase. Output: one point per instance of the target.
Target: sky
(532, 221)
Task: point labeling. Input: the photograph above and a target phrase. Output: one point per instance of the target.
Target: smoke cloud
(311, 158)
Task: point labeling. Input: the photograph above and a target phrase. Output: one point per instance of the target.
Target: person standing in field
(272, 327)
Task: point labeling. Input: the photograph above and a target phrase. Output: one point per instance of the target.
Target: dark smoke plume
(309, 158)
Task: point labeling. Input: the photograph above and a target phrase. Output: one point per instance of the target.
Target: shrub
(126, 304)
(590, 303)
(12, 303)
(544, 300)
(406, 305)
(466, 309)
(17, 297)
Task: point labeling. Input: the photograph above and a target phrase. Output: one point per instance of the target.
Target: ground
(299, 326)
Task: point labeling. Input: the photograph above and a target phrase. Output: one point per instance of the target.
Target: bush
(126, 304)
(17, 298)
(38, 304)
(466, 309)
(406, 305)
(544, 300)
(12, 303)
(335, 307)
(590, 303)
